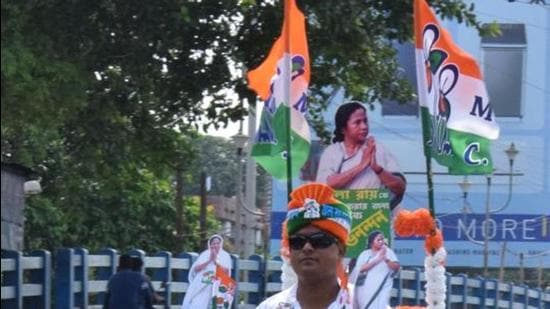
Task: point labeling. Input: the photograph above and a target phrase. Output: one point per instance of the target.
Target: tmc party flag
(223, 289)
(457, 119)
(281, 81)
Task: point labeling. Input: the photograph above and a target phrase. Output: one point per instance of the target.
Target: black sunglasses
(317, 240)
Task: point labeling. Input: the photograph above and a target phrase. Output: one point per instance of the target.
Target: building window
(406, 60)
(503, 62)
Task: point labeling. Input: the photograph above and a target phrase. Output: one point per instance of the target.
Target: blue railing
(78, 279)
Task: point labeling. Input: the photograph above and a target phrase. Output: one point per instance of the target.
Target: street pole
(502, 259)
(539, 275)
(521, 269)
(250, 176)
(486, 229)
(240, 141)
(511, 153)
(202, 218)
(178, 203)
(238, 210)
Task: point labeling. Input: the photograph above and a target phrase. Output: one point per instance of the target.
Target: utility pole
(202, 217)
(250, 176)
(240, 140)
(521, 269)
(511, 153)
(486, 229)
(178, 203)
(502, 259)
(539, 275)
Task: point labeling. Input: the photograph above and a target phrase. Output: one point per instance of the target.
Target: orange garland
(433, 242)
(403, 223)
(423, 222)
(420, 223)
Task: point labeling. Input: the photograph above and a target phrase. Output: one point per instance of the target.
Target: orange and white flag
(223, 289)
(281, 81)
(457, 118)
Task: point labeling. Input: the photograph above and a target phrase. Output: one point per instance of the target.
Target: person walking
(127, 288)
(137, 265)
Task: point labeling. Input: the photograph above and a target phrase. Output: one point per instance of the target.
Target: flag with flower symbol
(223, 287)
(281, 81)
(458, 121)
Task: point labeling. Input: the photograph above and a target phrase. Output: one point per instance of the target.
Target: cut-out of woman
(372, 274)
(204, 273)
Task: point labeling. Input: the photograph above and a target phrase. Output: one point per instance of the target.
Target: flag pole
(430, 185)
(287, 69)
(428, 155)
(424, 116)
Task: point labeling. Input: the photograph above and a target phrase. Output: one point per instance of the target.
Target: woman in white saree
(202, 274)
(372, 274)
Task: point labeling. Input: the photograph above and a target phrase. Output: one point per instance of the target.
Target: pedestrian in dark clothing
(127, 289)
(137, 265)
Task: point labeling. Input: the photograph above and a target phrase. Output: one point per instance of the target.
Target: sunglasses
(316, 240)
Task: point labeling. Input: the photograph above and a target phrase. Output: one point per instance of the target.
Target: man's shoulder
(275, 301)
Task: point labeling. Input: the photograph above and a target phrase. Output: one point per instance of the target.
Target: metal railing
(78, 279)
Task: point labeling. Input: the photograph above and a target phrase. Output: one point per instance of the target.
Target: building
(14, 188)
(252, 226)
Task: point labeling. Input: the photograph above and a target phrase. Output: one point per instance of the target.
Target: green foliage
(131, 208)
(192, 211)
(217, 157)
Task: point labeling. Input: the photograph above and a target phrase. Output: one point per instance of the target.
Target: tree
(216, 156)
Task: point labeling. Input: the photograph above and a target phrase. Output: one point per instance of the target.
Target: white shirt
(287, 300)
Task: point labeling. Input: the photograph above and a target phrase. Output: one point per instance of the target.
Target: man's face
(309, 262)
(357, 127)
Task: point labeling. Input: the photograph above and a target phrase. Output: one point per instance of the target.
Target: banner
(458, 121)
(282, 81)
(370, 211)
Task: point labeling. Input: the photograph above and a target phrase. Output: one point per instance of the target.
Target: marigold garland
(433, 242)
(423, 221)
(403, 223)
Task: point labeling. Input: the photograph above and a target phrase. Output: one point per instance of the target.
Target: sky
(232, 129)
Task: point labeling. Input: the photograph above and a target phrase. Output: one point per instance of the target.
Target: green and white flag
(457, 119)
(282, 81)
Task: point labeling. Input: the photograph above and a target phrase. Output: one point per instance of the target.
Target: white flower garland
(288, 276)
(436, 285)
